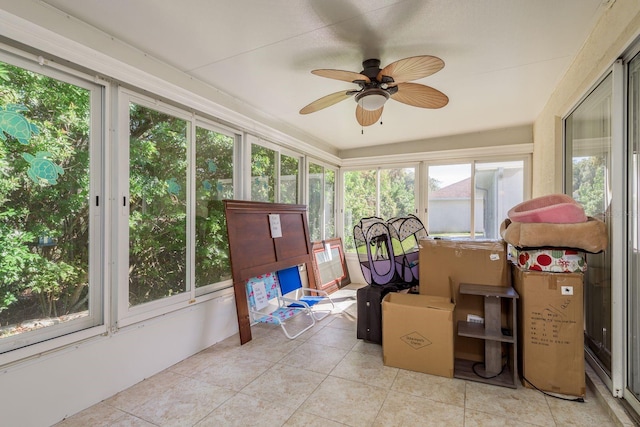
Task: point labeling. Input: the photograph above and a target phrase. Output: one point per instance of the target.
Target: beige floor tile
(271, 348)
(365, 368)
(334, 337)
(326, 377)
(518, 404)
(139, 394)
(363, 346)
(193, 364)
(351, 309)
(342, 321)
(314, 357)
(440, 389)
(99, 415)
(302, 419)
(481, 419)
(184, 404)
(234, 372)
(589, 413)
(130, 421)
(291, 385)
(348, 402)
(243, 411)
(401, 409)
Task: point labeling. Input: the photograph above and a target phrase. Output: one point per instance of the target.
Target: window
(329, 203)
(289, 179)
(360, 201)
(499, 186)
(180, 168)
(472, 199)
(157, 205)
(50, 204)
(385, 193)
(214, 183)
(450, 200)
(633, 251)
(587, 180)
(263, 174)
(397, 192)
(321, 202)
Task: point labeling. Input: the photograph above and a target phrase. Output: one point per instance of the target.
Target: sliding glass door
(633, 343)
(588, 180)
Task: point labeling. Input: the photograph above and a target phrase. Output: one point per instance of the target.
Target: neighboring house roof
(457, 190)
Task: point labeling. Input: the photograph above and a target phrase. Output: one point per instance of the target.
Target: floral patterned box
(555, 260)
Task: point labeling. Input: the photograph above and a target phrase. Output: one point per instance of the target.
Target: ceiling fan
(378, 85)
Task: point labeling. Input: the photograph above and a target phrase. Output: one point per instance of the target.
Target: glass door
(633, 344)
(588, 180)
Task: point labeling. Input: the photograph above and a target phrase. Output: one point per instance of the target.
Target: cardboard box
(555, 260)
(445, 263)
(417, 333)
(551, 330)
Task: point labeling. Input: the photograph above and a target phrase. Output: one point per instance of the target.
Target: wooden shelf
(477, 330)
(492, 370)
(488, 291)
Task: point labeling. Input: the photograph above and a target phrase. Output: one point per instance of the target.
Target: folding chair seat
(266, 305)
(297, 295)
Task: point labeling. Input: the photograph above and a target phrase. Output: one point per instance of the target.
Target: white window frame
(472, 161)
(325, 167)
(41, 340)
(126, 315)
(202, 291)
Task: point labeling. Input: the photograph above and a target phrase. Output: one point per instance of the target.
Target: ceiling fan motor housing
(371, 68)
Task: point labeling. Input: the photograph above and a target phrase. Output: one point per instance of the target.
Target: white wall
(614, 32)
(46, 389)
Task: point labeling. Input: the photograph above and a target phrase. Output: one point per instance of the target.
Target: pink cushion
(554, 208)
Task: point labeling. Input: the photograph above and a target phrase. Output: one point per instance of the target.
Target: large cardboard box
(417, 333)
(445, 263)
(551, 330)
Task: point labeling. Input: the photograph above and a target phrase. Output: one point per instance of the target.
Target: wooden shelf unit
(492, 371)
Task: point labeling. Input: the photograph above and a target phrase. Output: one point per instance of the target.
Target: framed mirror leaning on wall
(329, 265)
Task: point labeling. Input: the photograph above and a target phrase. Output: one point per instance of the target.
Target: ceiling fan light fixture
(372, 99)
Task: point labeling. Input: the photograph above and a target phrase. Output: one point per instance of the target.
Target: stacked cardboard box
(445, 263)
(551, 330)
(417, 333)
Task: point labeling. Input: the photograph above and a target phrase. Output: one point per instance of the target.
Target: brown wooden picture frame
(330, 271)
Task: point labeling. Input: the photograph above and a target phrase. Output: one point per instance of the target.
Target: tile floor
(326, 377)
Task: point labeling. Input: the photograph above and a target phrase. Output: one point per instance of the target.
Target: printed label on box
(415, 340)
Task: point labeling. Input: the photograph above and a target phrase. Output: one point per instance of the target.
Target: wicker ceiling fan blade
(368, 117)
(419, 95)
(326, 101)
(347, 76)
(412, 68)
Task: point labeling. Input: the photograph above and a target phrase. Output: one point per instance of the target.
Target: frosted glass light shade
(372, 99)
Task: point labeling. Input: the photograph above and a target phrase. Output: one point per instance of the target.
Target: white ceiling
(503, 58)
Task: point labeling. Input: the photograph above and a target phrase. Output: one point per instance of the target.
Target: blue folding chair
(297, 295)
(266, 305)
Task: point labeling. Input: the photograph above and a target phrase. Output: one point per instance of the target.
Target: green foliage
(359, 201)
(263, 175)
(39, 280)
(588, 184)
(214, 183)
(397, 197)
(158, 217)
